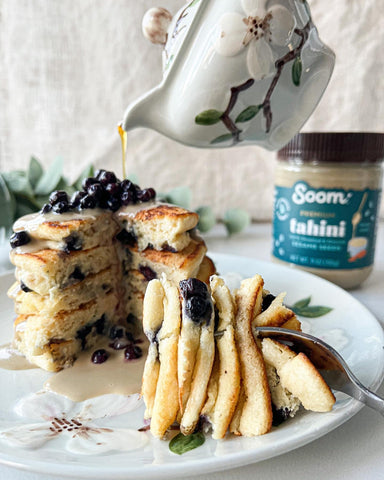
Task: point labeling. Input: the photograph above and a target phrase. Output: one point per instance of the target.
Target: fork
(331, 365)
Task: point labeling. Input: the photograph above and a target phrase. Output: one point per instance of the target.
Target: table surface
(355, 449)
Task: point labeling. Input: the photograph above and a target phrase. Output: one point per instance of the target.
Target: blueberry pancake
(109, 239)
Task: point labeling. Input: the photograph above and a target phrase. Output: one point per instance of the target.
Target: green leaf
(313, 312)
(302, 303)
(24, 208)
(222, 138)
(18, 183)
(7, 205)
(180, 196)
(87, 172)
(207, 219)
(248, 113)
(35, 171)
(50, 179)
(297, 69)
(184, 443)
(236, 220)
(209, 117)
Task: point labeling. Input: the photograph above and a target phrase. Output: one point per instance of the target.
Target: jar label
(325, 228)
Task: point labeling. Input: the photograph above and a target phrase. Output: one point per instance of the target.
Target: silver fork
(331, 365)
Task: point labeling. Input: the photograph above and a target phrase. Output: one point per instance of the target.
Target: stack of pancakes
(205, 363)
(83, 272)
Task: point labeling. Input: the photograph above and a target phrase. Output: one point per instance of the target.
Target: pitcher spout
(144, 112)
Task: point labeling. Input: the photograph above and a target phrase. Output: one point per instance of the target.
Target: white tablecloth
(354, 450)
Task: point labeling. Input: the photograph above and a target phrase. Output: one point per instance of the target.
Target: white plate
(349, 327)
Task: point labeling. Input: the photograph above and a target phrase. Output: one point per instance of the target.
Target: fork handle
(361, 393)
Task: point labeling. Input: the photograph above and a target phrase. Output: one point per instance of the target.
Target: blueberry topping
(58, 196)
(96, 190)
(87, 182)
(193, 286)
(148, 273)
(127, 198)
(107, 177)
(132, 352)
(24, 287)
(87, 202)
(76, 198)
(146, 195)
(19, 238)
(279, 415)
(120, 343)
(267, 300)
(113, 204)
(47, 207)
(197, 301)
(100, 356)
(98, 173)
(197, 307)
(126, 185)
(60, 207)
(113, 189)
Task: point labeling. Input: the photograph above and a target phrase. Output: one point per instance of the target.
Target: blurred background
(68, 70)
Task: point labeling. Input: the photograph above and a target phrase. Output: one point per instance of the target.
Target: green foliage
(297, 69)
(236, 220)
(209, 117)
(207, 218)
(248, 113)
(222, 138)
(304, 309)
(25, 191)
(184, 443)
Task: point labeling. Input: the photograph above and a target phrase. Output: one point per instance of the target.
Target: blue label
(325, 228)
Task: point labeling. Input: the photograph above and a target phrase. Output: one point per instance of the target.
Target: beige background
(69, 68)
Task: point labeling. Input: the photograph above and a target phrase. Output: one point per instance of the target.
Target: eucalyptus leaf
(302, 303)
(208, 117)
(184, 443)
(7, 205)
(248, 113)
(50, 178)
(207, 218)
(194, 2)
(297, 69)
(17, 182)
(23, 209)
(222, 138)
(35, 171)
(181, 196)
(313, 311)
(236, 220)
(87, 172)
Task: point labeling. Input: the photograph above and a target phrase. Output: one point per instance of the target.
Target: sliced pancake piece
(256, 414)
(176, 265)
(298, 376)
(41, 271)
(153, 315)
(159, 225)
(166, 404)
(36, 334)
(91, 287)
(197, 309)
(67, 231)
(206, 270)
(224, 386)
(275, 315)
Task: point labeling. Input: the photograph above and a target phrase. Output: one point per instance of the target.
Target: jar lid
(348, 147)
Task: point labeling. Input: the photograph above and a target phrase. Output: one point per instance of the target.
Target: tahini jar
(327, 198)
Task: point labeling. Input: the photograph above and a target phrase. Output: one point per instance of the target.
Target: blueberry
(120, 343)
(76, 198)
(127, 198)
(146, 195)
(197, 308)
(107, 177)
(58, 196)
(100, 356)
(117, 331)
(24, 287)
(77, 274)
(87, 202)
(19, 238)
(132, 352)
(87, 182)
(193, 286)
(113, 204)
(60, 207)
(47, 207)
(96, 190)
(126, 238)
(267, 300)
(126, 185)
(148, 273)
(99, 172)
(113, 189)
(73, 243)
(131, 319)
